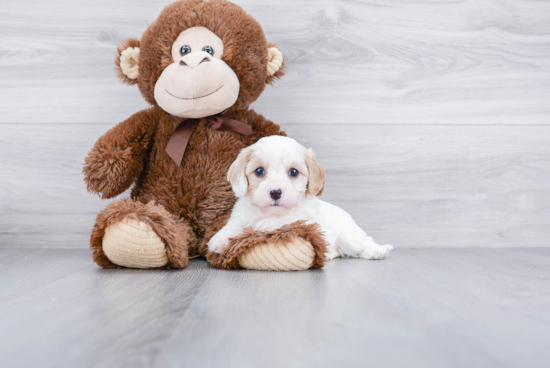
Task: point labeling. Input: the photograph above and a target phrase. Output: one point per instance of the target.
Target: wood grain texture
(418, 308)
(376, 61)
(431, 117)
(411, 186)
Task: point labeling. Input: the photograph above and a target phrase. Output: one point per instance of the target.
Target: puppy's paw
(331, 254)
(376, 251)
(218, 243)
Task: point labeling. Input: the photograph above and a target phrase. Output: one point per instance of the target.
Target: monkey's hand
(109, 171)
(117, 158)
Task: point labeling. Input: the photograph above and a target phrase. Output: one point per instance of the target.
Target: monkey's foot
(294, 247)
(132, 243)
(136, 235)
(296, 255)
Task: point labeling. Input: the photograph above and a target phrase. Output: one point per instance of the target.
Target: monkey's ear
(276, 63)
(127, 61)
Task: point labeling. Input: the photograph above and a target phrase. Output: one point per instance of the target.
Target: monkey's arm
(117, 158)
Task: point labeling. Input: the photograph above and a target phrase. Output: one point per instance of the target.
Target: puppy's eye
(208, 49)
(185, 49)
(259, 172)
(293, 173)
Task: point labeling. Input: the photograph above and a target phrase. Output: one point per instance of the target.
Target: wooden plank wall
(432, 118)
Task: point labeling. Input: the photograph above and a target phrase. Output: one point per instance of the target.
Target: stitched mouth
(194, 98)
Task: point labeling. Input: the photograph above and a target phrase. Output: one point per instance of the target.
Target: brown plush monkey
(200, 65)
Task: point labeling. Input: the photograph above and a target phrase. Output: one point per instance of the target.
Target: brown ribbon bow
(180, 138)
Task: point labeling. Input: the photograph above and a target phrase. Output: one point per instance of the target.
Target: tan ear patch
(129, 60)
(274, 61)
(236, 174)
(316, 174)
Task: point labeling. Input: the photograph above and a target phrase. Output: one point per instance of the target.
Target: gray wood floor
(418, 308)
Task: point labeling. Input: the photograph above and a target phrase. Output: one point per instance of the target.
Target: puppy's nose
(275, 194)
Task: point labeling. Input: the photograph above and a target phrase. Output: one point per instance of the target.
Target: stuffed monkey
(199, 65)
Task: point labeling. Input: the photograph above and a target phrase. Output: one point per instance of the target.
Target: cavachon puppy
(277, 181)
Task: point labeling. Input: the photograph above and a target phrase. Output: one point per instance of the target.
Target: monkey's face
(200, 58)
(198, 83)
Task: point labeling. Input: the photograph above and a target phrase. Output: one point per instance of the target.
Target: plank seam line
(162, 350)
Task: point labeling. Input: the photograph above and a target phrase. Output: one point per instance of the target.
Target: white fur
(255, 208)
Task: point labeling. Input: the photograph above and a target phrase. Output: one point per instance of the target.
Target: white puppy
(277, 181)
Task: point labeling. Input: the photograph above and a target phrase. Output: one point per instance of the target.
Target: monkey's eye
(293, 172)
(259, 172)
(208, 49)
(185, 49)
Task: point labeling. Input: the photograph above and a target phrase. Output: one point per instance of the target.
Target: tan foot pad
(132, 243)
(296, 255)
(294, 247)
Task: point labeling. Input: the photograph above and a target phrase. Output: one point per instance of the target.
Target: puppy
(277, 181)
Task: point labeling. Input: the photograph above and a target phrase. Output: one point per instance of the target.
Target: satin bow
(180, 138)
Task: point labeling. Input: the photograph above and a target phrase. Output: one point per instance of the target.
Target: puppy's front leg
(221, 239)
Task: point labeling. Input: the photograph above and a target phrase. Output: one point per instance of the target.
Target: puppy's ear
(316, 174)
(127, 61)
(236, 174)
